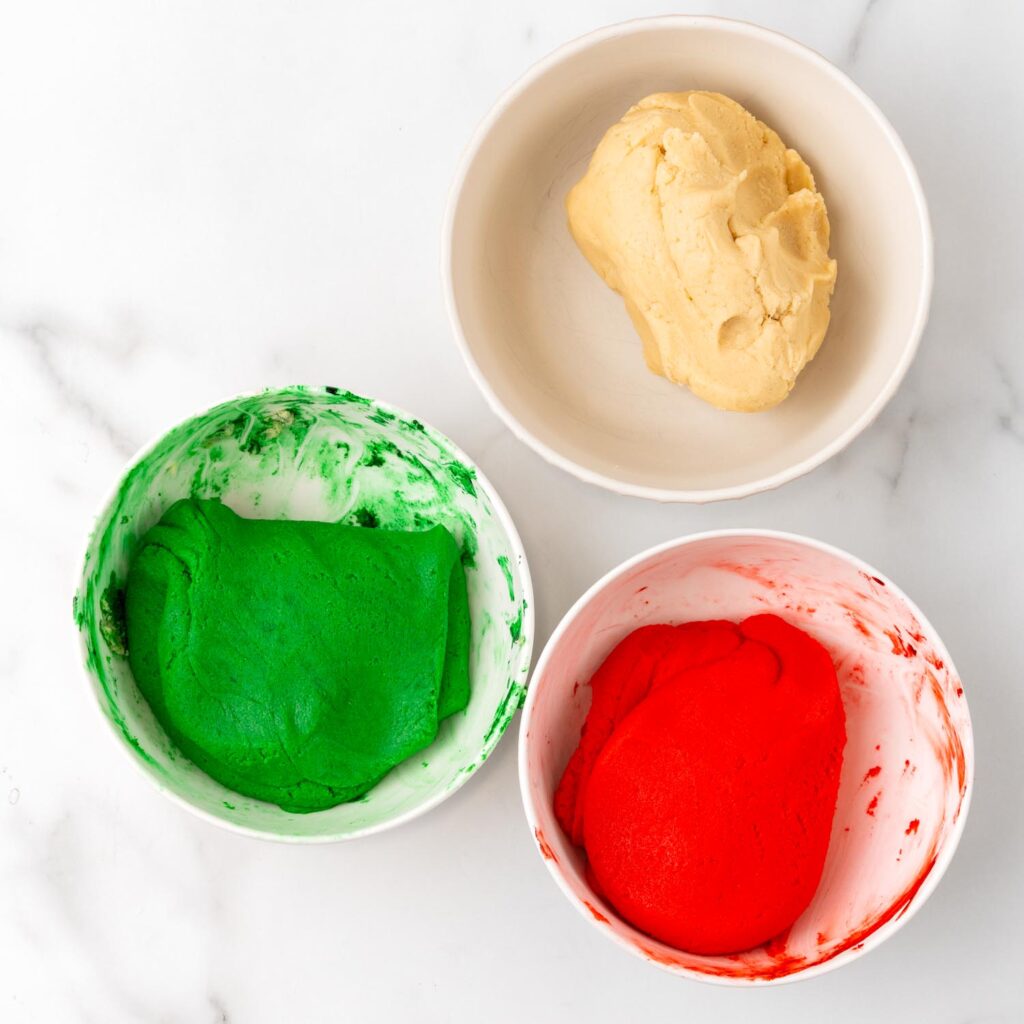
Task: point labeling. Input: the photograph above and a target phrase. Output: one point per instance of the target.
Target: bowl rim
(516, 665)
(881, 933)
(772, 38)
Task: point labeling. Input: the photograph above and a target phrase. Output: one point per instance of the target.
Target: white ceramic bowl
(908, 765)
(324, 454)
(551, 346)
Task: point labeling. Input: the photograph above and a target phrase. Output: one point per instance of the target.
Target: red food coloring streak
(598, 916)
(781, 966)
(822, 938)
(899, 645)
(918, 689)
(872, 772)
(873, 806)
(575, 687)
(894, 911)
(749, 572)
(919, 637)
(660, 957)
(951, 751)
(912, 828)
(546, 852)
(935, 661)
(858, 624)
(776, 946)
(959, 691)
(784, 963)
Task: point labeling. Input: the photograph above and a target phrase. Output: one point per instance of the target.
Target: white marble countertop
(200, 199)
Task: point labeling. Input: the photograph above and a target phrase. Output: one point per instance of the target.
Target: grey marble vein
(1008, 418)
(43, 341)
(859, 30)
(220, 1012)
(905, 435)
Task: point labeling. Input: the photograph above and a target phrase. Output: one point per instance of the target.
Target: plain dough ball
(714, 234)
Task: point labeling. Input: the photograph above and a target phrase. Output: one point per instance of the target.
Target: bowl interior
(326, 455)
(908, 755)
(555, 345)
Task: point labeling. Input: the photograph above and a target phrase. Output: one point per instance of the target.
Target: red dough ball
(706, 779)
(623, 680)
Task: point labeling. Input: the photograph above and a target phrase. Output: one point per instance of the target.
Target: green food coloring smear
(375, 451)
(347, 396)
(511, 703)
(365, 517)
(515, 627)
(112, 618)
(463, 475)
(469, 550)
(506, 571)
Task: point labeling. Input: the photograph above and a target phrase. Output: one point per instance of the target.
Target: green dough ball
(296, 662)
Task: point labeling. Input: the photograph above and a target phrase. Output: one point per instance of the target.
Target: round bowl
(322, 454)
(552, 347)
(908, 766)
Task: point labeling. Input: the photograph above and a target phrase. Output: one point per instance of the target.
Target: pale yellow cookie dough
(713, 233)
